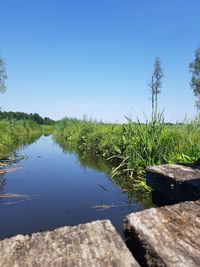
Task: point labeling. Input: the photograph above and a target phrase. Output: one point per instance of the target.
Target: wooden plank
(167, 236)
(178, 182)
(86, 245)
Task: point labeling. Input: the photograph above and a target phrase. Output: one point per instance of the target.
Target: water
(61, 192)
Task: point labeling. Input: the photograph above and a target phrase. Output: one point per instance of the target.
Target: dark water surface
(61, 192)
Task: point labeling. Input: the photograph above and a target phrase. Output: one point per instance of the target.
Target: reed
(134, 145)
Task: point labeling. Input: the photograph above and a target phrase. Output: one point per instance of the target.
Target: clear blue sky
(95, 57)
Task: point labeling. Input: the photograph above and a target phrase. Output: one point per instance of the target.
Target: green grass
(133, 146)
(14, 133)
(124, 151)
(128, 149)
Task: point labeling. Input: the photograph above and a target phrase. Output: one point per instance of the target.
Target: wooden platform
(95, 244)
(180, 183)
(167, 236)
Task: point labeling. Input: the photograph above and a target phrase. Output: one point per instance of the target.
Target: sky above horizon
(95, 58)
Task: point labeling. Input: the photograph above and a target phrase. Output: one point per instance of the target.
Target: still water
(61, 191)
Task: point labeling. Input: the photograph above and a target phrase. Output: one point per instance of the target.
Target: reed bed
(132, 146)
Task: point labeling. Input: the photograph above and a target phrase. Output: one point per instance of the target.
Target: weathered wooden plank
(178, 182)
(167, 236)
(92, 244)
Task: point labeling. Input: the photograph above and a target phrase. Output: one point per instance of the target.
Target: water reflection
(11, 163)
(70, 189)
(2, 182)
(100, 164)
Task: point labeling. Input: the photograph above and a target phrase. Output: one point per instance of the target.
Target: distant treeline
(10, 115)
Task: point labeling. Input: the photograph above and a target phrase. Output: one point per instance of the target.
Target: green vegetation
(15, 133)
(122, 151)
(132, 146)
(25, 116)
(135, 188)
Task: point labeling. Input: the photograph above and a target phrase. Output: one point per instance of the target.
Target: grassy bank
(132, 146)
(14, 133)
(136, 189)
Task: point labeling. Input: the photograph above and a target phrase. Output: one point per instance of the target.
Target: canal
(50, 188)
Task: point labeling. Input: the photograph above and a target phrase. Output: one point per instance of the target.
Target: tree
(156, 84)
(3, 76)
(195, 81)
(37, 118)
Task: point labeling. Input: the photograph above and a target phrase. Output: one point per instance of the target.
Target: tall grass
(132, 146)
(14, 133)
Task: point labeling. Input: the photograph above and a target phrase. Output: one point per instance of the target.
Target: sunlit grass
(14, 133)
(133, 146)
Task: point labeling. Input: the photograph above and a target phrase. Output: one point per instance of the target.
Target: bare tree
(156, 84)
(195, 81)
(3, 76)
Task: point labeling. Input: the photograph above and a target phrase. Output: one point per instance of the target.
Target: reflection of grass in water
(2, 181)
(135, 187)
(12, 158)
(15, 134)
(10, 163)
(13, 169)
